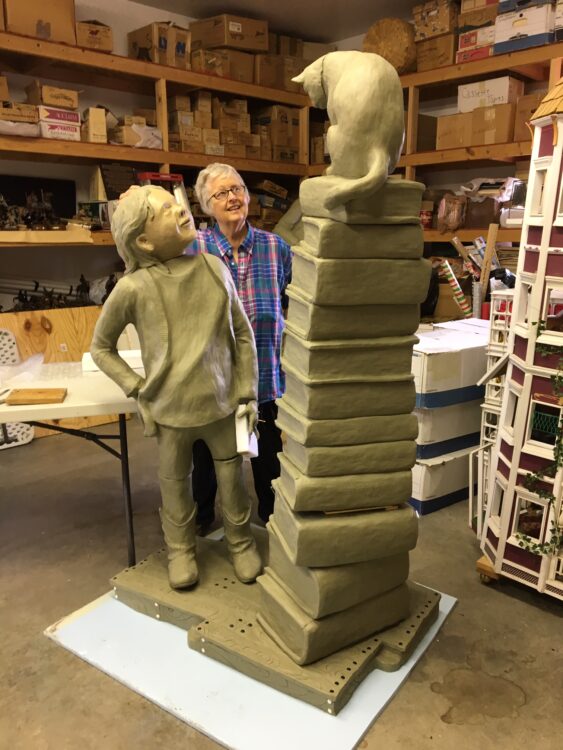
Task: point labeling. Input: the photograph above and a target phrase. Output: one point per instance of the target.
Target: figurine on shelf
(200, 365)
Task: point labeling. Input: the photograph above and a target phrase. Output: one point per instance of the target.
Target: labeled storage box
(436, 52)
(53, 20)
(492, 125)
(504, 90)
(51, 96)
(94, 35)
(57, 114)
(441, 481)
(434, 18)
(150, 43)
(477, 38)
(476, 19)
(525, 108)
(478, 53)
(59, 131)
(472, 5)
(448, 361)
(16, 112)
(230, 31)
(526, 28)
(226, 63)
(453, 131)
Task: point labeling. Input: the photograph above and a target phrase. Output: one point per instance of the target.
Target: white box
(504, 90)
(448, 361)
(443, 479)
(538, 19)
(60, 131)
(58, 115)
(448, 423)
(559, 14)
(477, 38)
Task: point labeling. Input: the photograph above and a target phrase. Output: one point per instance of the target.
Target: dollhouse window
(523, 303)
(530, 519)
(496, 506)
(553, 312)
(558, 574)
(540, 179)
(544, 423)
(511, 409)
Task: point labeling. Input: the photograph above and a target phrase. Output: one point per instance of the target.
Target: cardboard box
(504, 90)
(475, 19)
(268, 71)
(273, 43)
(266, 148)
(94, 35)
(479, 53)
(179, 47)
(235, 151)
(525, 108)
(440, 481)
(4, 91)
(314, 50)
(94, 126)
(468, 6)
(225, 63)
(290, 45)
(16, 112)
(558, 14)
(272, 188)
(150, 43)
(202, 101)
(211, 136)
(492, 125)
(448, 361)
(53, 20)
(180, 118)
(249, 139)
(148, 114)
(125, 136)
(51, 96)
(202, 119)
(528, 22)
(190, 134)
(132, 120)
(477, 38)
(59, 131)
(228, 137)
(282, 124)
(253, 152)
(230, 31)
(453, 131)
(285, 154)
(57, 114)
(214, 149)
(317, 154)
(239, 105)
(434, 18)
(436, 52)
(291, 67)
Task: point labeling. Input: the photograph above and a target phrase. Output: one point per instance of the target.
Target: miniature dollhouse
(522, 533)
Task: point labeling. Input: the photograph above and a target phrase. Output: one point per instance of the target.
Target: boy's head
(149, 227)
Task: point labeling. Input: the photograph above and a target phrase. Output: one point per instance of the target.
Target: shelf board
(316, 170)
(14, 147)
(525, 62)
(122, 73)
(57, 238)
(468, 235)
(497, 152)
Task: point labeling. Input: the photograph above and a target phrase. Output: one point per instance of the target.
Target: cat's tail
(349, 188)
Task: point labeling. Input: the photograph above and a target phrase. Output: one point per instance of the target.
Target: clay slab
(319, 540)
(348, 359)
(342, 493)
(321, 322)
(306, 640)
(344, 432)
(397, 202)
(361, 282)
(326, 238)
(343, 400)
(364, 458)
(323, 591)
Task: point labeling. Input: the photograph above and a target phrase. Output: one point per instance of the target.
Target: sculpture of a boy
(200, 364)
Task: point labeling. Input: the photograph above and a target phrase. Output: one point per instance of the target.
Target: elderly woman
(260, 263)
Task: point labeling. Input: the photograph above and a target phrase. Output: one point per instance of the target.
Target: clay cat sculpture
(363, 96)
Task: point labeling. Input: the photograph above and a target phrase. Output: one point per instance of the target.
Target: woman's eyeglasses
(224, 194)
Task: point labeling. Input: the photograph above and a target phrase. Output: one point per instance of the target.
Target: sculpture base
(220, 617)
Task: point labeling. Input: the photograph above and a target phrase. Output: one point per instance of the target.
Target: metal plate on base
(220, 617)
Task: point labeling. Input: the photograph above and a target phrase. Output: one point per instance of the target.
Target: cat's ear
(300, 78)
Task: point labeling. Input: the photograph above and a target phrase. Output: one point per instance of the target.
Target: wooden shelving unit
(467, 235)
(98, 239)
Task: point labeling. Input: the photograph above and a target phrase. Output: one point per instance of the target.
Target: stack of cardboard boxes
(57, 111)
(16, 118)
(271, 201)
(435, 24)
(318, 153)
(476, 26)
(521, 24)
(491, 111)
(162, 43)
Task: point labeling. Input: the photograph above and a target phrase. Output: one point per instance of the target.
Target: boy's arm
(116, 314)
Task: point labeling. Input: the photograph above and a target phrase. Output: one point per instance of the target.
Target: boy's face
(170, 228)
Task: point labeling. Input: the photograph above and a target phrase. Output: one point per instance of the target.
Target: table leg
(126, 489)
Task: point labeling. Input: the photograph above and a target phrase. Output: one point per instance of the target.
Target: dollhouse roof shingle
(552, 103)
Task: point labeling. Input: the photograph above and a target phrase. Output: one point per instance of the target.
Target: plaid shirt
(261, 275)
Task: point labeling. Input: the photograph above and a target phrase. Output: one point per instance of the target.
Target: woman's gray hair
(211, 172)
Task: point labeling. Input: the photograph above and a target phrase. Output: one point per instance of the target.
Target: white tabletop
(89, 394)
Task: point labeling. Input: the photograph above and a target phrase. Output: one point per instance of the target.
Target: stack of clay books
(342, 528)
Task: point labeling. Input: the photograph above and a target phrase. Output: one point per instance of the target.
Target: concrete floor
(492, 678)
